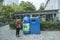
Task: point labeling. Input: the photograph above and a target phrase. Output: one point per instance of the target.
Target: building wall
(8, 2)
(51, 5)
(58, 16)
(59, 4)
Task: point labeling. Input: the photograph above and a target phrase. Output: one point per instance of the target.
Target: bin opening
(33, 21)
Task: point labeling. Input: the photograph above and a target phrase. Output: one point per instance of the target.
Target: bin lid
(26, 19)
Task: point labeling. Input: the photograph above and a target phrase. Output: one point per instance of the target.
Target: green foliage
(1, 15)
(45, 25)
(1, 0)
(23, 7)
(50, 25)
(41, 6)
(12, 24)
(6, 10)
(27, 6)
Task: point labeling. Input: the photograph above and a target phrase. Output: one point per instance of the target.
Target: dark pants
(17, 31)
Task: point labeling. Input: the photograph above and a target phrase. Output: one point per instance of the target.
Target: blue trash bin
(26, 25)
(35, 25)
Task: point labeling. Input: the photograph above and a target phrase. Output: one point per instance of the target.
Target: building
(51, 12)
(53, 5)
(44, 15)
(8, 2)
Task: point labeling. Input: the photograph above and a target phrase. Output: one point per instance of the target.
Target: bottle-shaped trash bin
(35, 25)
(26, 25)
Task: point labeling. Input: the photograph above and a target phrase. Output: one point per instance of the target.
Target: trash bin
(26, 25)
(35, 25)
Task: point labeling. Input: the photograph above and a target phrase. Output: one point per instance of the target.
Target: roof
(37, 11)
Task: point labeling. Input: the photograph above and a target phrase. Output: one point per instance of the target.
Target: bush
(12, 25)
(50, 25)
(46, 25)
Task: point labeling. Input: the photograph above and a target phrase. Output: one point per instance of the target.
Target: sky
(36, 3)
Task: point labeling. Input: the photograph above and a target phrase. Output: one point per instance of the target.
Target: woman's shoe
(17, 36)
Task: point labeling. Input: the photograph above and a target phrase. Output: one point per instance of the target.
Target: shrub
(12, 25)
(50, 25)
(45, 25)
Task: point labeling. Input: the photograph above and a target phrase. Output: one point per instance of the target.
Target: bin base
(36, 33)
(26, 33)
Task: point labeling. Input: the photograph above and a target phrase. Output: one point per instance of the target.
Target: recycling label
(26, 27)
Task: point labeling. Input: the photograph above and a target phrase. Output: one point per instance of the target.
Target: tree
(10, 9)
(1, 2)
(1, 15)
(6, 10)
(27, 6)
(17, 8)
(41, 6)
(23, 7)
(30, 7)
(14, 7)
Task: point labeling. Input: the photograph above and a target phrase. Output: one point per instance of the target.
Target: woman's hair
(18, 20)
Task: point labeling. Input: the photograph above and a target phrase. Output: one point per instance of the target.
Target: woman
(18, 26)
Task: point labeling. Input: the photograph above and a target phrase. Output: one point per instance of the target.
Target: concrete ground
(7, 34)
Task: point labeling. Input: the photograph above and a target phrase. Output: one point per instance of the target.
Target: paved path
(7, 34)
